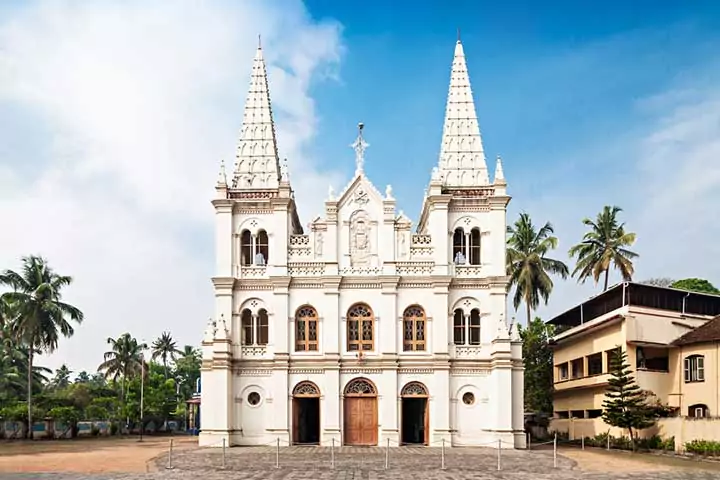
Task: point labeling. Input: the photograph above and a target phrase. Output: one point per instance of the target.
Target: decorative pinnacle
(222, 177)
(499, 174)
(360, 145)
(458, 35)
(284, 171)
(259, 41)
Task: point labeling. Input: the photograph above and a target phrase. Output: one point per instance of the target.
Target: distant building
(671, 339)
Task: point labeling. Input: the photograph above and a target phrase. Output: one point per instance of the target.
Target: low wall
(684, 429)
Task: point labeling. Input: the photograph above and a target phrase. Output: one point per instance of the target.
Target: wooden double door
(360, 420)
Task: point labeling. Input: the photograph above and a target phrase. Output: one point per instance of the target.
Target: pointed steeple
(258, 164)
(462, 159)
(499, 174)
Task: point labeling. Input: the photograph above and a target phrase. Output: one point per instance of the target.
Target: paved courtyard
(305, 463)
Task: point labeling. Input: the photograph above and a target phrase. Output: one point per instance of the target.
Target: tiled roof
(709, 332)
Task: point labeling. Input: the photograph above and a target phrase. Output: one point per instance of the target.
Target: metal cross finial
(359, 146)
(458, 39)
(259, 41)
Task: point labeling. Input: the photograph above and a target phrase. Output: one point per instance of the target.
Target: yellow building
(671, 344)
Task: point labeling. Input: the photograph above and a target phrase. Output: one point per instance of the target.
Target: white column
(255, 328)
(467, 249)
(253, 251)
(466, 316)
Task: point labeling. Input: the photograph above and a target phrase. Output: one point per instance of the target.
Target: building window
(562, 371)
(698, 411)
(459, 327)
(468, 398)
(246, 248)
(360, 326)
(595, 364)
(577, 368)
(254, 327)
(609, 355)
(306, 329)
(414, 329)
(466, 246)
(474, 327)
(253, 398)
(694, 368)
(262, 248)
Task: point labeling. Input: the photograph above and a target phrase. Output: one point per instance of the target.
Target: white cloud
(132, 106)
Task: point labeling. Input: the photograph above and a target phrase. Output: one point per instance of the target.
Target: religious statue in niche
(403, 244)
(360, 229)
(318, 244)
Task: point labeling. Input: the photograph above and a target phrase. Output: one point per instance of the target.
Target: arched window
(694, 368)
(474, 256)
(459, 327)
(414, 323)
(474, 327)
(262, 248)
(306, 329)
(248, 327)
(262, 327)
(246, 248)
(360, 326)
(459, 247)
(254, 328)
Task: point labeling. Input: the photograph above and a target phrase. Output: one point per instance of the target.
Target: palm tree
(123, 360)
(62, 377)
(41, 316)
(165, 348)
(527, 265)
(602, 246)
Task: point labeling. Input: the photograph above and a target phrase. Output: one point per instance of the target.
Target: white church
(359, 329)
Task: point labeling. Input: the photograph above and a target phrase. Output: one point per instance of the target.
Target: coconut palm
(165, 348)
(62, 377)
(603, 246)
(123, 361)
(40, 315)
(527, 264)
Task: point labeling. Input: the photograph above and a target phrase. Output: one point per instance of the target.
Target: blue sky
(114, 116)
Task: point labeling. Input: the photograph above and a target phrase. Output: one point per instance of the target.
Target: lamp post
(142, 390)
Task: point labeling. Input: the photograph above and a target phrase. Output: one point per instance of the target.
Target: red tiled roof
(709, 332)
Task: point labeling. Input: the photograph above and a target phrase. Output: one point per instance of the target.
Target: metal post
(499, 447)
(608, 441)
(332, 454)
(442, 455)
(169, 465)
(223, 454)
(142, 394)
(277, 454)
(387, 453)
(555, 451)
(582, 442)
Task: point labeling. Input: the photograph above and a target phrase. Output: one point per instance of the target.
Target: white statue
(360, 240)
(331, 193)
(318, 244)
(388, 192)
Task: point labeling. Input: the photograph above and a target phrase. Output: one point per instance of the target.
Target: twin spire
(462, 158)
(257, 164)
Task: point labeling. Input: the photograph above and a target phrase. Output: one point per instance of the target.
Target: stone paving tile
(305, 463)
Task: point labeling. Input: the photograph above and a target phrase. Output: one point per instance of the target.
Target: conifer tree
(625, 403)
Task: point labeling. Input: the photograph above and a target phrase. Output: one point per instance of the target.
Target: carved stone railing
(360, 271)
(300, 246)
(468, 271)
(420, 240)
(250, 271)
(253, 350)
(306, 269)
(466, 351)
(415, 268)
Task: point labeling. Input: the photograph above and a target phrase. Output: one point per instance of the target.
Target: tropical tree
(123, 361)
(625, 404)
(41, 315)
(187, 371)
(538, 363)
(604, 246)
(699, 285)
(62, 377)
(165, 348)
(527, 264)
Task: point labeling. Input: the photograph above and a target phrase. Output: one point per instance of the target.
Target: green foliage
(703, 447)
(66, 415)
(527, 263)
(538, 362)
(655, 442)
(603, 246)
(165, 349)
(625, 404)
(695, 285)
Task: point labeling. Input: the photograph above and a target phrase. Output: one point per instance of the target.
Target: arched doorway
(360, 413)
(306, 414)
(414, 415)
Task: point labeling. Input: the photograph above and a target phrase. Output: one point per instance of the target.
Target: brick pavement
(306, 463)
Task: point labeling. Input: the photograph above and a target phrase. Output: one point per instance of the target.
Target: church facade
(358, 329)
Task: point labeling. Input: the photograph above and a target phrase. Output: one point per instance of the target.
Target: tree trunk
(632, 439)
(31, 352)
(527, 306)
(607, 274)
